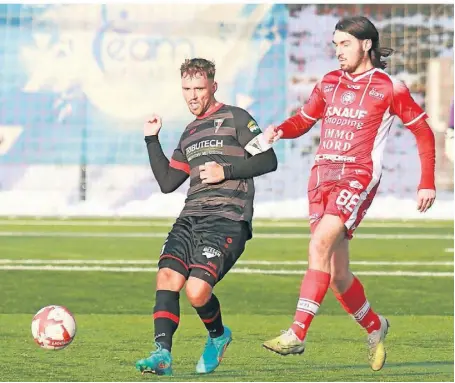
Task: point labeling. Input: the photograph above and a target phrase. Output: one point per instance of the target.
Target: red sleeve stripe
(165, 314)
(183, 166)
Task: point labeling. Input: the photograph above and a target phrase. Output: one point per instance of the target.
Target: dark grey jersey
(219, 137)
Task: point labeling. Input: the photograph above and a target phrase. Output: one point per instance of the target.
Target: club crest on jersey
(217, 123)
(348, 97)
(253, 126)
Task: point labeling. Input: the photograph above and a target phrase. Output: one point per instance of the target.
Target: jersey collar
(210, 111)
(361, 75)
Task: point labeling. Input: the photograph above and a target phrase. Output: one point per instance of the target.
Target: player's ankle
(299, 330)
(373, 325)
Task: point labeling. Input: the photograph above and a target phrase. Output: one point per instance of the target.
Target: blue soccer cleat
(159, 362)
(213, 352)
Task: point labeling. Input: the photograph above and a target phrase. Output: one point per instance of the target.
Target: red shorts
(349, 197)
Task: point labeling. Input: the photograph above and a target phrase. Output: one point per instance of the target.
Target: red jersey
(357, 112)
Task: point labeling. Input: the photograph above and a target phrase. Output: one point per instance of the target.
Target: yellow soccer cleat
(285, 344)
(376, 350)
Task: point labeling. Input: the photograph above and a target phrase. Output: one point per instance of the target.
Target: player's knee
(319, 248)
(168, 279)
(198, 292)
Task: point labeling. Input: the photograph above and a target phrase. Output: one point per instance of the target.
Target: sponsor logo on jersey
(340, 116)
(374, 93)
(346, 112)
(204, 148)
(328, 88)
(348, 97)
(357, 87)
(334, 157)
(204, 144)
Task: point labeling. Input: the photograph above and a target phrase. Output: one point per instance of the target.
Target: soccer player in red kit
(357, 105)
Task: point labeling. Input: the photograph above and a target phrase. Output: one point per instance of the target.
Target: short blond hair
(191, 67)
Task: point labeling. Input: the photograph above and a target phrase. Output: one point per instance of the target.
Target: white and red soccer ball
(53, 327)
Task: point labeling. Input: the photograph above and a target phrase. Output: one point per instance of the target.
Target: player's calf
(219, 336)
(355, 303)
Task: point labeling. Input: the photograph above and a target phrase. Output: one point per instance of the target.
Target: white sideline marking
(239, 262)
(163, 235)
(234, 271)
(126, 223)
(448, 250)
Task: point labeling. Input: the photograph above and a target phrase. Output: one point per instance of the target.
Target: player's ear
(367, 44)
(214, 87)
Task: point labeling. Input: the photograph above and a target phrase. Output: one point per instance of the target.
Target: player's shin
(355, 303)
(166, 315)
(312, 292)
(210, 315)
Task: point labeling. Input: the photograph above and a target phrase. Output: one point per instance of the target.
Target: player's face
(349, 51)
(199, 92)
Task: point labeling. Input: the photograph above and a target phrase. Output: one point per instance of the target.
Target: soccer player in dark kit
(221, 152)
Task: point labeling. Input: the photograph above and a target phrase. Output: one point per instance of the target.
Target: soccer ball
(53, 327)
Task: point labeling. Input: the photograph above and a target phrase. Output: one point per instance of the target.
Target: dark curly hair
(363, 29)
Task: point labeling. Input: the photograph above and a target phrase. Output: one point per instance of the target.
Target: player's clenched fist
(152, 126)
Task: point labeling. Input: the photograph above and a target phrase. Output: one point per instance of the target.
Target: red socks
(312, 291)
(355, 303)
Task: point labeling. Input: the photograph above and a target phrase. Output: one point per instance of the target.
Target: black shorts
(204, 247)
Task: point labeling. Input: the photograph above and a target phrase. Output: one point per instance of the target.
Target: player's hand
(272, 134)
(425, 199)
(211, 173)
(152, 126)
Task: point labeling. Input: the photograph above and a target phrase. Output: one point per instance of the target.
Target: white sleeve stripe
(415, 119)
(306, 115)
